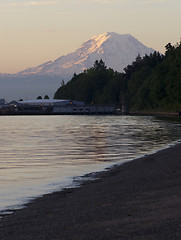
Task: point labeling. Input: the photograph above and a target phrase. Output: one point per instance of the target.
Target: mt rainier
(116, 50)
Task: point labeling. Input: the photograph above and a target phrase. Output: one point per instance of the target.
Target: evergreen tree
(46, 97)
(39, 97)
(152, 82)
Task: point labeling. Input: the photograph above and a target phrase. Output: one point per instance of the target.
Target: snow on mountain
(117, 51)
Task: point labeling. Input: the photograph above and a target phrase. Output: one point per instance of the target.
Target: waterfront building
(54, 107)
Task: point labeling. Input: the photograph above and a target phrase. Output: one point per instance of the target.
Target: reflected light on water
(41, 154)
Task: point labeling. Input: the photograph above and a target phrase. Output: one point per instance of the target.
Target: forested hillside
(95, 85)
(149, 83)
(155, 82)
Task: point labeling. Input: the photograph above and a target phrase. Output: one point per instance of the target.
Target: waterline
(42, 154)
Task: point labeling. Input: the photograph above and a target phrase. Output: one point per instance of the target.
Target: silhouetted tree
(62, 83)
(99, 64)
(46, 97)
(39, 97)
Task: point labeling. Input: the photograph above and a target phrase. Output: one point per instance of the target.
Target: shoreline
(78, 180)
(139, 199)
(165, 114)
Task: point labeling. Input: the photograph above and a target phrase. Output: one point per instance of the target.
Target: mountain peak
(116, 50)
(94, 43)
(110, 34)
(100, 39)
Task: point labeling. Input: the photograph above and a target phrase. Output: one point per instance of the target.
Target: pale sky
(36, 31)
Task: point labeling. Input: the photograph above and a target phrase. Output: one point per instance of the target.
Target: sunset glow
(35, 32)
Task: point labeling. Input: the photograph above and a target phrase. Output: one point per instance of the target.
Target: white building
(51, 102)
(54, 107)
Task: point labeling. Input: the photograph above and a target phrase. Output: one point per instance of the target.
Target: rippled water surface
(40, 154)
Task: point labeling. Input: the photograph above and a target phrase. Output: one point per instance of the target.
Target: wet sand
(139, 200)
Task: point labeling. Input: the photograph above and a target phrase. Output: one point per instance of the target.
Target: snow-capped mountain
(117, 51)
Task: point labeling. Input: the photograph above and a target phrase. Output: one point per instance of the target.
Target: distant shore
(156, 113)
(138, 200)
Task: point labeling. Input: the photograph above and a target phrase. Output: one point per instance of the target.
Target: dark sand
(139, 200)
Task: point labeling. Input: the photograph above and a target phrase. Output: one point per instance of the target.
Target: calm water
(40, 154)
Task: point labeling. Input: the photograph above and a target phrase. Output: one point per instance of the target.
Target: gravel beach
(138, 200)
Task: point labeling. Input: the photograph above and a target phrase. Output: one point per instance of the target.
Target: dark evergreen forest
(149, 83)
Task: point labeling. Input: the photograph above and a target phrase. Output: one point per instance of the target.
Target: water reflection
(40, 153)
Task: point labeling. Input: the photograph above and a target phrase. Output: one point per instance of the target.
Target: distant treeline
(149, 83)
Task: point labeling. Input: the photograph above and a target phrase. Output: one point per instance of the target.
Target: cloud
(100, 1)
(50, 30)
(153, 1)
(41, 3)
(30, 3)
(16, 3)
(11, 4)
